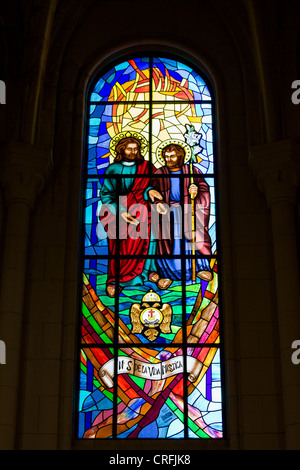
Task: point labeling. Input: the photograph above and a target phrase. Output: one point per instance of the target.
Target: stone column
(276, 167)
(23, 172)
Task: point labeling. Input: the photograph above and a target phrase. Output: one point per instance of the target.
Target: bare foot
(164, 283)
(111, 290)
(153, 277)
(205, 275)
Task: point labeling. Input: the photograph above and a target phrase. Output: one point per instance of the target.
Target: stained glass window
(150, 344)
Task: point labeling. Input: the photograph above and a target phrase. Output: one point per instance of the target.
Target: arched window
(150, 359)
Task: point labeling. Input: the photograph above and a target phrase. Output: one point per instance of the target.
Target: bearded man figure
(177, 196)
(126, 192)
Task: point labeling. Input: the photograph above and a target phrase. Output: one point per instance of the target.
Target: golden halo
(123, 135)
(186, 148)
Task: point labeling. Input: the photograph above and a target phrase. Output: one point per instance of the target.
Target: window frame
(101, 71)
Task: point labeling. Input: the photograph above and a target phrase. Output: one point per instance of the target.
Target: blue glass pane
(175, 80)
(128, 81)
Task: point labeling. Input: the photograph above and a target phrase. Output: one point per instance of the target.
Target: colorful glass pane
(205, 396)
(150, 337)
(128, 81)
(174, 80)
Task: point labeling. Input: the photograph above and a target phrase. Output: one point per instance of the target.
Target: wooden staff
(193, 227)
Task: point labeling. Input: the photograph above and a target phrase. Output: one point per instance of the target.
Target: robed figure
(177, 192)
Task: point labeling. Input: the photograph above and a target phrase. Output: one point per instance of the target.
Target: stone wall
(249, 51)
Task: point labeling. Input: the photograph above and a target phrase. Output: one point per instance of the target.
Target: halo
(185, 146)
(123, 135)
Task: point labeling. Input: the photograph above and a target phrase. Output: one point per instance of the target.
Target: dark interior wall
(249, 51)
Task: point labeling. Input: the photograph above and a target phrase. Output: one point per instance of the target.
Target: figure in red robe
(126, 190)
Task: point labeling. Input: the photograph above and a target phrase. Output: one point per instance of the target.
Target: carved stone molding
(276, 168)
(24, 169)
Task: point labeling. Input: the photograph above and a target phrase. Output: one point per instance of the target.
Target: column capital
(276, 168)
(24, 169)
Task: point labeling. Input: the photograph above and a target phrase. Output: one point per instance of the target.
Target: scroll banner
(147, 370)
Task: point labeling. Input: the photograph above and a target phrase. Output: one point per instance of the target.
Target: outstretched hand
(153, 194)
(129, 218)
(160, 206)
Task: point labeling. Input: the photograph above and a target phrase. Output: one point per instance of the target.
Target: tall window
(150, 359)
